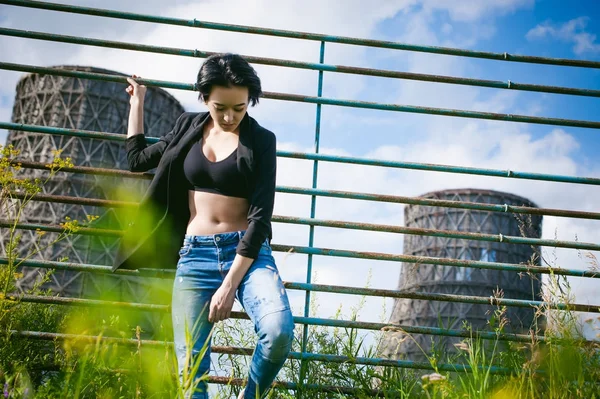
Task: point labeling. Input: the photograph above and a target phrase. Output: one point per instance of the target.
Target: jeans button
(218, 238)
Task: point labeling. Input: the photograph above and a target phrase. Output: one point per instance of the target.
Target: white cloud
(572, 31)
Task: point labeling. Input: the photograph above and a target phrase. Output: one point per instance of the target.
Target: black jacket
(154, 238)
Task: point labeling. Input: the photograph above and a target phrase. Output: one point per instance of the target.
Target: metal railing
(314, 192)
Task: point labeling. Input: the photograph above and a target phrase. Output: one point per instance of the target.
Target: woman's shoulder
(262, 136)
(191, 118)
(188, 121)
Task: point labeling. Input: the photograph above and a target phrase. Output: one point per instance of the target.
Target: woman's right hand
(136, 91)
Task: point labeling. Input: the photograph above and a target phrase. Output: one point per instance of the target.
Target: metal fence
(314, 192)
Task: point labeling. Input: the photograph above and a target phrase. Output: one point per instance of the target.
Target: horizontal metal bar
(248, 352)
(65, 199)
(93, 76)
(87, 170)
(417, 260)
(426, 260)
(349, 195)
(435, 111)
(320, 100)
(368, 291)
(89, 268)
(375, 393)
(497, 84)
(436, 261)
(409, 295)
(93, 303)
(398, 363)
(169, 273)
(218, 349)
(86, 134)
(380, 293)
(416, 329)
(55, 228)
(455, 234)
(298, 155)
(300, 320)
(300, 35)
(462, 235)
(441, 168)
(440, 203)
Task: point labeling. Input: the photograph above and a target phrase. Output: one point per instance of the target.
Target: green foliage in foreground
(564, 367)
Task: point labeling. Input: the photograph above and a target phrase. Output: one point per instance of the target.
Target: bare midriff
(212, 213)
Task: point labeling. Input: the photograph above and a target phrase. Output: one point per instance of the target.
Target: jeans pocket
(185, 250)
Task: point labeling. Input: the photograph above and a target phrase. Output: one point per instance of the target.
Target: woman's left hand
(221, 304)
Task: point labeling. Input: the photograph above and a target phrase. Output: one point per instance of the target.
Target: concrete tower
(101, 106)
(425, 278)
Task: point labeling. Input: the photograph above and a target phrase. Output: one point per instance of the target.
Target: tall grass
(563, 366)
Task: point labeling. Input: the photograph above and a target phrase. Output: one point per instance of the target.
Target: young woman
(210, 205)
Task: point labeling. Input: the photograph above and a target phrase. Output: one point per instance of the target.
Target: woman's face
(227, 106)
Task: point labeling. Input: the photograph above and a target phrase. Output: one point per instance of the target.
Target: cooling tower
(74, 103)
(426, 278)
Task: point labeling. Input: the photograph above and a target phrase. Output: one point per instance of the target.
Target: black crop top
(221, 177)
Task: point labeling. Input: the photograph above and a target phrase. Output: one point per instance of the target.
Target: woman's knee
(276, 332)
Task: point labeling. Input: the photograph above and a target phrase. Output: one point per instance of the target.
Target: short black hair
(228, 70)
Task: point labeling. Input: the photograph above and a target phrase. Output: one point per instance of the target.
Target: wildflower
(92, 218)
(6, 392)
(433, 377)
(462, 346)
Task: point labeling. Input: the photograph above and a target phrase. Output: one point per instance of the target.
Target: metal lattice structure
(74, 103)
(428, 278)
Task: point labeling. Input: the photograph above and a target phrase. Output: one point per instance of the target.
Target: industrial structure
(428, 278)
(74, 103)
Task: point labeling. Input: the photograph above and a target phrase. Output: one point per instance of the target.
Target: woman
(213, 190)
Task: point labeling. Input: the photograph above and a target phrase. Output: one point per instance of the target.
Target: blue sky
(509, 33)
(542, 28)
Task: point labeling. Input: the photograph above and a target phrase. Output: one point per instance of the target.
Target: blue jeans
(203, 264)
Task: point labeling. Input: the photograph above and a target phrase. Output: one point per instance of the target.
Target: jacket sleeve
(261, 201)
(142, 157)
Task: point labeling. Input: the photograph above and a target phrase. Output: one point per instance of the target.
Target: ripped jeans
(204, 262)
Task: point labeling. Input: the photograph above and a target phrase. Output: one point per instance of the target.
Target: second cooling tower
(468, 281)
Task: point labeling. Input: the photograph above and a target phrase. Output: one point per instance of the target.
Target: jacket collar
(245, 147)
